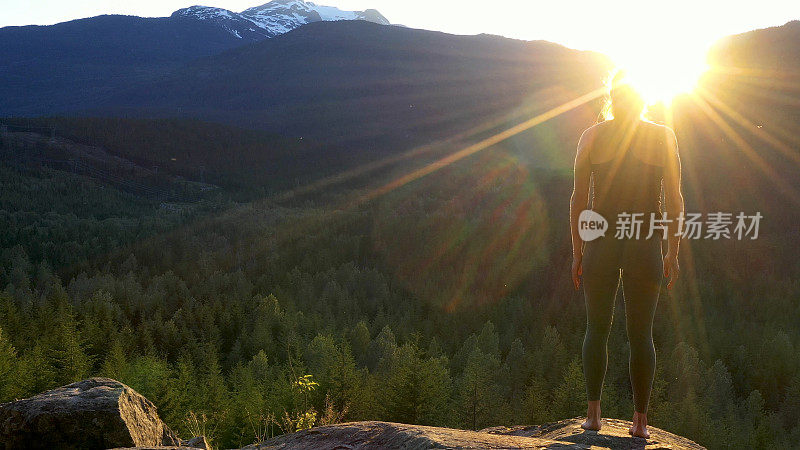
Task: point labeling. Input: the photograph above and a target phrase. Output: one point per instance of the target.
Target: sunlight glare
(660, 75)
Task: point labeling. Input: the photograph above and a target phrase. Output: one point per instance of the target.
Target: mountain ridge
(70, 66)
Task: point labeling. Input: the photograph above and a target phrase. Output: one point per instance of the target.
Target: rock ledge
(564, 434)
(101, 413)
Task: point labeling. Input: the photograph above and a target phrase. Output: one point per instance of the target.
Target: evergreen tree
(569, 398)
(9, 375)
(115, 364)
(68, 353)
(181, 395)
(478, 390)
(416, 388)
(334, 369)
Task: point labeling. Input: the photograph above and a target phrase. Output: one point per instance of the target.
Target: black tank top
(626, 183)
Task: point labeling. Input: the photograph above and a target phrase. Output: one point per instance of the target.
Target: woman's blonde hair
(607, 111)
(618, 79)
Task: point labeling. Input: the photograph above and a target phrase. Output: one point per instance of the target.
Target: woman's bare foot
(593, 421)
(639, 428)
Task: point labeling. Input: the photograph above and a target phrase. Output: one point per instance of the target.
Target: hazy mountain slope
(743, 122)
(757, 74)
(360, 82)
(68, 66)
(773, 48)
(346, 93)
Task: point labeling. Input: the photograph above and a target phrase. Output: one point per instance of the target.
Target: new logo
(591, 225)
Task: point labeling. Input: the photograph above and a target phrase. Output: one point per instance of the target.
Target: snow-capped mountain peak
(204, 12)
(274, 18)
(300, 7)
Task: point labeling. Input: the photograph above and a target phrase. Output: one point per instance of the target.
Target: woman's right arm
(674, 207)
(578, 202)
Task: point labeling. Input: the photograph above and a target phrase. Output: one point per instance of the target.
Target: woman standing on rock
(625, 160)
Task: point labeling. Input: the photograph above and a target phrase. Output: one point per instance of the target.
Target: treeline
(233, 363)
(247, 162)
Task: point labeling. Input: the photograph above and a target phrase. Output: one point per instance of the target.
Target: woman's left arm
(578, 202)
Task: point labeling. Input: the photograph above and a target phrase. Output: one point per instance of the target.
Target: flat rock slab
(160, 447)
(565, 434)
(613, 435)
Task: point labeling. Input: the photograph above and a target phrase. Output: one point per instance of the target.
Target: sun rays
(484, 144)
(494, 266)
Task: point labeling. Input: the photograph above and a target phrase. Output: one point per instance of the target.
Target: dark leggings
(638, 264)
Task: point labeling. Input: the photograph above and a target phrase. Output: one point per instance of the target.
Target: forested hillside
(247, 162)
(444, 302)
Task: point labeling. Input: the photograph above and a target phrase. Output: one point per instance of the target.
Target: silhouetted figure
(624, 160)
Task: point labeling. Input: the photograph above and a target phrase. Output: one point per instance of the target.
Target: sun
(660, 75)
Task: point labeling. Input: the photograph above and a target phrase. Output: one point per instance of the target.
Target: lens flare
(660, 76)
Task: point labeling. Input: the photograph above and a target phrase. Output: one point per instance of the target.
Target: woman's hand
(577, 270)
(671, 268)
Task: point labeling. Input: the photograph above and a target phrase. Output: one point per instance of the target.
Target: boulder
(563, 434)
(197, 442)
(95, 413)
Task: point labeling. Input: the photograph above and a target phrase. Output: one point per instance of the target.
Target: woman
(625, 160)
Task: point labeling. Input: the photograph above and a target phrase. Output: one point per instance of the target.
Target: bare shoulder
(660, 129)
(664, 136)
(592, 131)
(589, 135)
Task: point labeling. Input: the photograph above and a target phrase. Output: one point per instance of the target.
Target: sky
(623, 29)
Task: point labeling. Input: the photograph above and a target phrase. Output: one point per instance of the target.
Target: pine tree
(382, 350)
(40, 374)
(247, 408)
(537, 402)
(417, 390)
(181, 393)
(569, 398)
(213, 391)
(518, 371)
(68, 352)
(359, 342)
(9, 376)
(115, 364)
(334, 369)
(479, 396)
